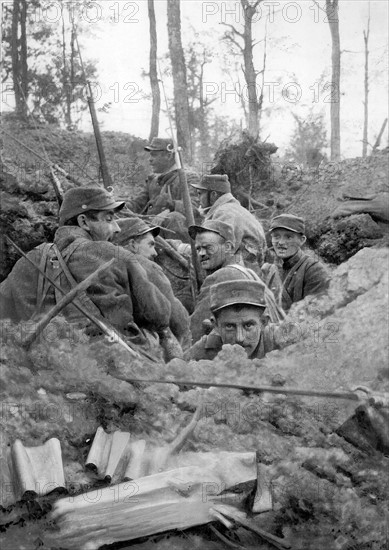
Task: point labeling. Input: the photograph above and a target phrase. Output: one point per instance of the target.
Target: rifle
(195, 281)
(360, 393)
(110, 332)
(107, 180)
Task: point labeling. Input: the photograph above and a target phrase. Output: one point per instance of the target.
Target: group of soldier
(245, 290)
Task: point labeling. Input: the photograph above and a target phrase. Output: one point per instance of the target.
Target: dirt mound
(28, 206)
(329, 486)
(316, 193)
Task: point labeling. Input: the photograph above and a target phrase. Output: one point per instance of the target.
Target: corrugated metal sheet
(29, 472)
(117, 458)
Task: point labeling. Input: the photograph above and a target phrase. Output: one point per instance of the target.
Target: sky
(298, 62)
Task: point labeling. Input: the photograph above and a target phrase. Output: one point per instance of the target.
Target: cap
(131, 228)
(288, 221)
(223, 229)
(81, 199)
(160, 144)
(216, 182)
(242, 291)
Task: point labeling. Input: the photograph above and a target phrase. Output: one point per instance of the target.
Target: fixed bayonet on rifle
(185, 194)
(107, 180)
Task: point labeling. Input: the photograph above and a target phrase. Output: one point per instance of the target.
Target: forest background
(291, 56)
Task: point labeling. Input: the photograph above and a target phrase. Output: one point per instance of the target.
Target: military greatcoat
(301, 275)
(123, 294)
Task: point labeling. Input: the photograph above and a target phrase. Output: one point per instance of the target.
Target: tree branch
(232, 39)
(234, 30)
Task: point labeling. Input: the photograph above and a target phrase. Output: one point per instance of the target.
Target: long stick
(46, 161)
(112, 335)
(69, 297)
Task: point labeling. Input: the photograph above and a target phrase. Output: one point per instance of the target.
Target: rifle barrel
(269, 389)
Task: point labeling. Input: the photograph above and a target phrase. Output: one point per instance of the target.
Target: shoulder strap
(43, 285)
(82, 297)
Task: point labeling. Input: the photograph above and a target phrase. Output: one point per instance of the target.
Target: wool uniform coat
(123, 294)
(248, 231)
(179, 317)
(301, 275)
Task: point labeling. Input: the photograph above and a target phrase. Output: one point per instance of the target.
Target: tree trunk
(366, 101)
(332, 10)
(65, 79)
(23, 51)
(15, 56)
(72, 83)
(19, 56)
(204, 155)
(154, 73)
(181, 101)
(250, 73)
(261, 95)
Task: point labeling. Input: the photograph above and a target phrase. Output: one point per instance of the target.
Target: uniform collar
(69, 233)
(290, 262)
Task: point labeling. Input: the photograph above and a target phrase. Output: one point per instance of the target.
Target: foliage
(54, 70)
(244, 158)
(308, 140)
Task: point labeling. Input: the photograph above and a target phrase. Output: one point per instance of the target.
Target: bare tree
(155, 91)
(65, 78)
(250, 74)
(197, 56)
(181, 103)
(366, 101)
(19, 55)
(332, 10)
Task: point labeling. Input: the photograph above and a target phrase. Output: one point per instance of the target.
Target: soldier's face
(286, 243)
(203, 198)
(161, 161)
(240, 325)
(145, 246)
(211, 250)
(102, 228)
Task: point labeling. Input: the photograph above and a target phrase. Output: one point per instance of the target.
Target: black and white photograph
(194, 275)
